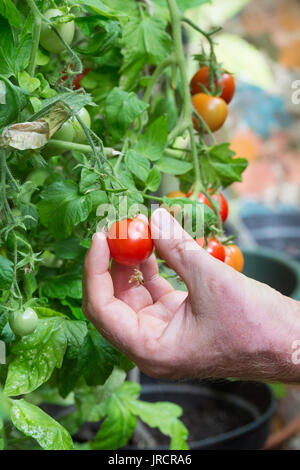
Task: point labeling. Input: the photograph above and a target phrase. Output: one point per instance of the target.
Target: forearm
(270, 338)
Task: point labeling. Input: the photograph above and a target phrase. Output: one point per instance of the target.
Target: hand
(226, 325)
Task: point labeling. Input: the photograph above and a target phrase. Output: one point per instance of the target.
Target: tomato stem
(187, 105)
(36, 30)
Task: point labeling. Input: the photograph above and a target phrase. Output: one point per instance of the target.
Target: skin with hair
(226, 325)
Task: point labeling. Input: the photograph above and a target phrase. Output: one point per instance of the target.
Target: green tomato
(23, 324)
(49, 39)
(66, 132)
(80, 136)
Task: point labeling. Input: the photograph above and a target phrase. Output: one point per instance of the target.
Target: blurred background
(260, 45)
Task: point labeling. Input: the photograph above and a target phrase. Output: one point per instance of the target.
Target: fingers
(114, 318)
(153, 282)
(134, 294)
(176, 246)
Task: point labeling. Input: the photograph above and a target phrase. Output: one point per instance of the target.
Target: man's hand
(226, 325)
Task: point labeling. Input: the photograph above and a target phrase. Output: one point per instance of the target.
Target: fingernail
(98, 236)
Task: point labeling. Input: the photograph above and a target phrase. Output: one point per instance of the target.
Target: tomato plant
(130, 241)
(201, 82)
(74, 159)
(234, 257)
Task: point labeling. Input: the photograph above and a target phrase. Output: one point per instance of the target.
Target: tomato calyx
(223, 83)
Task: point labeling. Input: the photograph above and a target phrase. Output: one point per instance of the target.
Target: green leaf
(10, 12)
(12, 101)
(153, 180)
(35, 423)
(173, 166)
(122, 109)
(137, 164)
(62, 286)
(164, 416)
(6, 273)
(98, 358)
(38, 354)
(220, 167)
(63, 207)
(68, 249)
(145, 41)
(120, 421)
(153, 142)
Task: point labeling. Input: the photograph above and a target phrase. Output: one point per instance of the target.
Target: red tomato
(216, 249)
(226, 83)
(130, 241)
(212, 109)
(220, 200)
(234, 257)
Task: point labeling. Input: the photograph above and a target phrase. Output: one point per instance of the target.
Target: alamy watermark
(296, 353)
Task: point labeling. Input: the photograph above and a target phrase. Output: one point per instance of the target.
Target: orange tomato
(234, 257)
(212, 109)
(174, 194)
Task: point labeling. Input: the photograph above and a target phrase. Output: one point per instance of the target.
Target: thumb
(177, 247)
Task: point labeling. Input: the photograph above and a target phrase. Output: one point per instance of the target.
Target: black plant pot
(219, 416)
(280, 232)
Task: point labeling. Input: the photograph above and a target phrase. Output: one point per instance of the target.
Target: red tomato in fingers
(234, 257)
(212, 109)
(226, 83)
(130, 241)
(216, 249)
(220, 200)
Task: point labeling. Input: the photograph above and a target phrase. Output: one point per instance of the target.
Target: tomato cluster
(212, 109)
(228, 253)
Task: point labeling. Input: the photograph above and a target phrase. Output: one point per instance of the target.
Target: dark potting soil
(205, 415)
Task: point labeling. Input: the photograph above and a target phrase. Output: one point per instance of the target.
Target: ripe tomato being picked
(130, 241)
(226, 83)
(234, 257)
(212, 109)
(220, 200)
(213, 247)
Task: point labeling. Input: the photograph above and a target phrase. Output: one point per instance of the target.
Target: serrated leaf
(120, 421)
(63, 207)
(121, 110)
(173, 166)
(153, 180)
(35, 423)
(38, 354)
(137, 164)
(153, 142)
